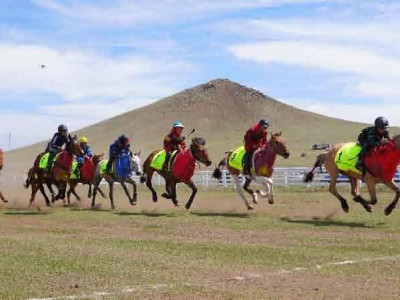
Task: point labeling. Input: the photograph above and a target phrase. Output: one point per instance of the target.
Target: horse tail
(217, 172)
(29, 178)
(318, 164)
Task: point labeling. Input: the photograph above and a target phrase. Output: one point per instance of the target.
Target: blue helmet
(178, 124)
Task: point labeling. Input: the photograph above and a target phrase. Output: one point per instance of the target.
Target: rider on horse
(173, 141)
(54, 147)
(255, 138)
(87, 152)
(117, 149)
(371, 137)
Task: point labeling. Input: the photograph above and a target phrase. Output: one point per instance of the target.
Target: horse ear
(280, 133)
(138, 153)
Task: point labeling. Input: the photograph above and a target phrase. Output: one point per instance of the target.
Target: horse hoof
(133, 203)
(177, 204)
(250, 207)
(369, 208)
(271, 201)
(187, 206)
(155, 199)
(113, 207)
(166, 196)
(5, 201)
(388, 210)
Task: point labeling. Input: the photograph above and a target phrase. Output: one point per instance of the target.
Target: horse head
(135, 164)
(396, 141)
(97, 158)
(73, 146)
(278, 144)
(199, 151)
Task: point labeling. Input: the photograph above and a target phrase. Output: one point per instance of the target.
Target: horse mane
(199, 141)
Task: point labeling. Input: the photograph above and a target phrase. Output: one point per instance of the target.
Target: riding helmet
(83, 139)
(178, 124)
(62, 127)
(263, 122)
(381, 122)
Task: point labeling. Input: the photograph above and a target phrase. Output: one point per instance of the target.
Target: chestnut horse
(381, 164)
(87, 172)
(182, 170)
(58, 175)
(263, 161)
(1, 168)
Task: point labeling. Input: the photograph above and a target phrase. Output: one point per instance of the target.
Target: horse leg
(392, 204)
(357, 197)
(239, 190)
(333, 190)
(111, 186)
(168, 193)
(2, 197)
(127, 193)
(41, 188)
(194, 192)
(35, 188)
(150, 185)
(173, 193)
(90, 190)
(371, 185)
(96, 186)
(249, 190)
(101, 192)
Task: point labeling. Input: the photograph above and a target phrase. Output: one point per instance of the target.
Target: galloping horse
(87, 172)
(263, 162)
(58, 175)
(381, 165)
(1, 168)
(123, 169)
(182, 166)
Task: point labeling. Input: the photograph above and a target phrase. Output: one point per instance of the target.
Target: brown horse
(263, 160)
(378, 162)
(88, 170)
(1, 168)
(59, 174)
(183, 165)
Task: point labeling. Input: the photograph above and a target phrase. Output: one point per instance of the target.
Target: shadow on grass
(25, 213)
(217, 214)
(146, 214)
(334, 223)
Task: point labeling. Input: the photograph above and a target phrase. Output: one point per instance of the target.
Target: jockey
(87, 152)
(173, 141)
(371, 137)
(54, 147)
(119, 148)
(255, 137)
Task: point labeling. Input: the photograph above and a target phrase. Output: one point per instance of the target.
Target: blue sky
(340, 58)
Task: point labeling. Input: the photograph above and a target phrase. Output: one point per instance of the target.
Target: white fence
(286, 177)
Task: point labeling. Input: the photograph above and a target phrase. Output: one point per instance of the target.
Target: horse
(263, 162)
(381, 164)
(58, 175)
(183, 164)
(1, 168)
(87, 173)
(122, 173)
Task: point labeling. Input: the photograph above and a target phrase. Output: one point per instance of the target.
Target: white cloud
(132, 12)
(329, 57)
(74, 75)
(351, 111)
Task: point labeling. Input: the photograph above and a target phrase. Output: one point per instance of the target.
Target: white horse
(130, 165)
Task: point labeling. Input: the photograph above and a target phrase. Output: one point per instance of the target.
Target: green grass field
(216, 251)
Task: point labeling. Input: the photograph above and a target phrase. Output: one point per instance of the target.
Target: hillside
(220, 111)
